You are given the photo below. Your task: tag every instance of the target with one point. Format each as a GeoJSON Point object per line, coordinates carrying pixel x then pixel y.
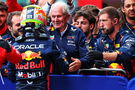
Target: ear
{"type": "Point", "coordinates": [115, 21]}
{"type": "Point", "coordinates": [91, 26]}
{"type": "Point", "coordinates": [9, 27]}
{"type": "Point", "coordinates": [122, 9]}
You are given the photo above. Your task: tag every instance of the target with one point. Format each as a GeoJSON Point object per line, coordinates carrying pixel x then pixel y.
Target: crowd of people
{"type": "Point", "coordinates": [58, 37]}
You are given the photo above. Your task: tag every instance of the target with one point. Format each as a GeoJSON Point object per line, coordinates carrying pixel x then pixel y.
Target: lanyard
{"type": "Point", "coordinates": [130, 29]}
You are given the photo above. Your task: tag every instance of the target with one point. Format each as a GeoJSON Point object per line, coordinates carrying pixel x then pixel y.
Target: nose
{"type": "Point", "coordinates": [56, 18]}
{"type": "Point", "coordinates": [79, 25]}
{"type": "Point", "coordinates": [100, 24]}
{"type": "Point", "coordinates": [132, 6]}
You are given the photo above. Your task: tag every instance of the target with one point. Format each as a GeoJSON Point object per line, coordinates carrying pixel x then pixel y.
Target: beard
{"type": "Point", "coordinates": [131, 18]}
{"type": "Point", "coordinates": [108, 31]}
{"type": "Point", "coordinates": [86, 33]}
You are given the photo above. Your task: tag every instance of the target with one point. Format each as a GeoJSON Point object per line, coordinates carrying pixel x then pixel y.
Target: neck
{"type": "Point", "coordinates": [63, 28]}
{"type": "Point", "coordinates": [3, 29]}
{"type": "Point", "coordinates": [88, 36]}
{"type": "Point", "coordinates": [13, 35]}
{"type": "Point", "coordinates": [2, 26]}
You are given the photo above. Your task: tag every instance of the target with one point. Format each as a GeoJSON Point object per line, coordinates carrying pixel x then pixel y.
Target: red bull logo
{"type": "Point", "coordinates": [31, 65]}
{"type": "Point", "coordinates": [116, 65]}
{"type": "Point", "coordinates": [29, 55]}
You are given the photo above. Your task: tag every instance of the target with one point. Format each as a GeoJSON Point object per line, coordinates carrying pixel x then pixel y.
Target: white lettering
{"type": "Point", "coordinates": [32, 46]}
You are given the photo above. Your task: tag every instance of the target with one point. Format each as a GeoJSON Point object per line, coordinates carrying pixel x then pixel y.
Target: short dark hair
{"type": "Point", "coordinates": [91, 8]}
{"type": "Point", "coordinates": [111, 11]}
{"type": "Point", "coordinates": [3, 6]}
{"type": "Point", "coordinates": [122, 3]}
{"type": "Point", "coordinates": [10, 16]}
{"type": "Point", "coordinates": [86, 15]}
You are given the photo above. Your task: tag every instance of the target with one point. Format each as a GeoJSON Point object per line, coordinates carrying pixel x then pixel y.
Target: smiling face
{"type": "Point", "coordinates": [15, 26]}
{"type": "Point", "coordinates": [58, 18]}
{"type": "Point", "coordinates": [129, 9]}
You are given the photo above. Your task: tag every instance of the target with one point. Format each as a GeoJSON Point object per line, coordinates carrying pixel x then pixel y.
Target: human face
{"type": "Point", "coordinates": [83, 24]}
{"type": "Point", "coordinates": [58, 18]}
{"type": "Point", "coordinates": [3, 17]}
{"type": "Point", "coordinates": [129, 9]}
{"type": "Point", "coordinates": [106, 24]}
{"type": "Point", "coordinates": [15, 25]}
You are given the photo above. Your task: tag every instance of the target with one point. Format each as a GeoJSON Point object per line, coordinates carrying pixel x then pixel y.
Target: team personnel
{"type": "Point", "coordinates": [113, 46]}
{"type": "Point", "coordinates": [13, 24]}
{"type": "Point", "coordinates": [37, 50]}
{"type": "Point", "coordinates": [3, 17]}
{"type": "Point", "coordinates": [128, 8]}
{"type": "Point", "coordinates": [86, 22]}
{"type": "Point", "coordinates": [70, 40]}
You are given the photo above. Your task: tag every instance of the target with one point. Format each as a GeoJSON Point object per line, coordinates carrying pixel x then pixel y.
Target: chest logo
{"type": "Point", "coordinates": [29, 55]}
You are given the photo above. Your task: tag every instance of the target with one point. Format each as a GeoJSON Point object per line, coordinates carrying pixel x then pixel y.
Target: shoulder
{"type": "Point", "coordinates": [73, 28]}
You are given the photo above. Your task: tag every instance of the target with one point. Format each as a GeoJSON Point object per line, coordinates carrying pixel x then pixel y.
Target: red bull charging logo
{"type": "Point", "coordinates": [29, 55]}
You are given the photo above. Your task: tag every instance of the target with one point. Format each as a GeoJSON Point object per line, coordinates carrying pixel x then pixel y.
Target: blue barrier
{"type": "Point", "coordinates": [6, 84]}
{"type": "Point", "coordinates": [79, 82]}
{"type": "Point", "coordinates": [131, 84]}
{"type": "Point", "coordinates": [87, 82]}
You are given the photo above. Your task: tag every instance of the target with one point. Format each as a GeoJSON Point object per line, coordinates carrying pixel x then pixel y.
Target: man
{"type": "Point", "coordinates": [86, 22]}
{"type": "Point", "coordinates": [3, 18]}
{"type": "Point", "coordinates": [94, 11]}
{"type": "Point", "coordinates": [37, 50]}
{"type": "Point", "coordinates": [69, 39]}
{"type": "Point", "coordinates": [13, 24]}
{"type": "Point", "coordinates": [128, 8]}
{"type": "Point", "coordinates": [113, 46]}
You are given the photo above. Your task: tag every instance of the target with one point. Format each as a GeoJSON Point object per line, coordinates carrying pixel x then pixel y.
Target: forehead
{"type": "Point", "coordinates": [16, 18]}
{"type": "Point", "coordinates": [129, 2]}
{"type": "Point", "coordinates": [104, 16]}
{"type": "Point", "coordinates": [56, 10]}
{"type": "Point", "coordinates": [81, 18]}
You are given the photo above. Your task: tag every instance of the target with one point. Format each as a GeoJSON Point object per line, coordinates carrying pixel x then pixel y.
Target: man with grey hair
{"type": "Point", "coordinates": [69, 39]}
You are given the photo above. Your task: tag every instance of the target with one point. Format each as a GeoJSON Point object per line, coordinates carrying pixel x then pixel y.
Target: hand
{"type": "Point", "coordinates": [94, 55]}
{"type": "Point", "coordinates": [75, 65]}
{"type": "Point", "coordinates": [5, 45]}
